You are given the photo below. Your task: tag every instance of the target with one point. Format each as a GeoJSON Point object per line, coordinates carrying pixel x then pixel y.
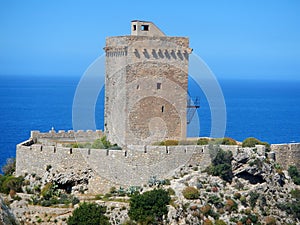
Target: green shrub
{"type": "Point", "coordinates": [228, 141]}
{"type": "Point", "coordinates": [48, 191]}
{"type": "Point", "coordinates": [220, 222]}
{"type": "Point", "coordinates": [294, 174]}
{"type": "Point", "coordinates": [149, 207]}
{"type": "Point", "coordinates": [187, 142]}
{"type": "Point", "coordinates": [88, 214]}
{"type": "Point", "coordinates": [215, 200]}
{"type": "Point", "coordinates": [202, 141]}
{"type": "Point", "coordinates": [169, 143]}
{"type": "Point", "coordinates": [251, 142]}
{"type": "Point", "coordinates": [190, 193]}
{"type": "Point", "coordinates": [253, 198]}
{"type": "Point", "coordinates": [171, 191]}
{"type": "Point", "coordinates": [9, 182]}
{"type": "Point", "coordinates": [97, 144]}
{"type": "Point", "coordinates": [106, 143]}
{"type": "Point", "coordinates": [295, 193]}
{"type": "Point", "coordinates": [221, 165]}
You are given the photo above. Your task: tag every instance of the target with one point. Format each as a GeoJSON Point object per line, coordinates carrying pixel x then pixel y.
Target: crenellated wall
{"type": "Point", "coordinates": [131, 166]}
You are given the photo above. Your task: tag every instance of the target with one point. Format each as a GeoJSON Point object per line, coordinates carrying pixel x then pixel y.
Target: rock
{"type": "Point", "coordinates": [6, 215]}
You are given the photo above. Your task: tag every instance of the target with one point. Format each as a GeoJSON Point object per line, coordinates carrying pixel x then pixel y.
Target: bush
{"type": "Point", "coordinates": [97, 144]}
{"type": "Point", "coordinates": [215, 200]}
{"type": "Point", "coordinates": [9, 182]}
{"type": "Point", "coordinates": [88, 214]}
{"type": "Point", "coordinates": [149, 207]}
{"type": "Point", "coordinates": [202, 141]}
{"type": "Point", "coordinates": [231, 205]}
{"type": "Point", "coordinates": [270, 220]}
{"type": "Point", "coordinates": [295, 193]}
{"type": "Point", "coordinates": [190, 193]}
{"type": "Point", "coordinates": [169, 143]}
{"type": "Point", "coordinates": [251, 142]}
{"type": "Point", "coordinates": [10, 167]}
{"type": "Point", "coordinates": [294, 174]}
{"type": "Point", "coordinates": [48, 191]}
{"type": "Point", "coordinates": [106, 143]}
{"type": "Point", "coordinates": [206, 209]}
{"type": "Point", "coordinates": [220, 222]}
{"type": "Point", "coordinates": [228, 141]}
{"type": "Point", "coordinates": [253, 198]}
{"type": "Point", "coordinates": [221, 165]}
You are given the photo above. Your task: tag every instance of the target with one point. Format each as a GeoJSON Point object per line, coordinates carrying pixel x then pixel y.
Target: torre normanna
{"type": "Point", "coordinates": [146, 86]}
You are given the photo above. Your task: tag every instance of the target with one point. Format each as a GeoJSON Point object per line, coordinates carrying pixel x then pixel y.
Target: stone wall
{"type": "Point", "coordinates": [53, 137]}
{"type": "Point", "coordinates": [146, 88]}
{"type": "Point", "coordinates": [287, 154]}
{"type": "Point", "coordinates": [133, 165]}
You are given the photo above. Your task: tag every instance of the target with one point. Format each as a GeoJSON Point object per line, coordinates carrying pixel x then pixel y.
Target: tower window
{"type": "Point", "coordinates": [138, 87]}
{"type": "Point", "coordinates": [158, 86]}
{"type": "Point", "coordinates": [145, 27]}
{"type": "Point", "coordinates": [162, 109]}
{"type": "Point", "coordinates": [134, 27]}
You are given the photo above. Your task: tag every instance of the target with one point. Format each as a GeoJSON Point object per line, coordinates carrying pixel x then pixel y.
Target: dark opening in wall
{"type": "Point", "coordinates": [71, 151]}
{"type": "Point", "coordinates": [162, 109]}
{"type": "Point", "coordinates": [138, 87]}
{"type": "Point", "coordinates": [134, 27]}
{"type": "Point", "coordinates": [145, 27]}
{"type": "Point", "coordinates": [158, 86]}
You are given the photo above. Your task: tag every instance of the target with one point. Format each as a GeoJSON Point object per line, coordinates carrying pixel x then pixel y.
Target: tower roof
{"type": "Point", "coordinates": [145, 28]}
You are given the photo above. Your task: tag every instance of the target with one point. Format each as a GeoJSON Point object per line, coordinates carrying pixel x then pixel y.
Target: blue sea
{"type": "Point", "coordinates": [267, 110]}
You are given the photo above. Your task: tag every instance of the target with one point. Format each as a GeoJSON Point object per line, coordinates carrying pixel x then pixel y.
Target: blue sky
{"type": "Point", "coordinates": [237, 39]}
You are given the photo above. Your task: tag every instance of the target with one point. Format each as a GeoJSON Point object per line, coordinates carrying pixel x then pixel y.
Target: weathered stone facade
{"type": "Point", "coordinates": [287, 154]}
{"type": "Point", "coordinates": [146, 86]}
{"type": "Point", "coordinates": [133, 165]}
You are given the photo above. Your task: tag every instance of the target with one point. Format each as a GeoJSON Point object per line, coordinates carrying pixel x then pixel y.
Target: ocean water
{"type": "Point", "coordinates": [268, 110]}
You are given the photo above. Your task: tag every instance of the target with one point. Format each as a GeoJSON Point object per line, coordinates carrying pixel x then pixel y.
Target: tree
{"type": "Point", "coordinates": [10, 167]}
{"type": "Point", "coordinates": [88, 214]}
{"type": "Point", "coordinates": [221, 165]}
{"type": "Point", "coordinates": [149, 207]}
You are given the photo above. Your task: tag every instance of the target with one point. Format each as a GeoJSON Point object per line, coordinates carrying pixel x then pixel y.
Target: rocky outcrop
{"type": "Point", "coordinates": [6, 215]}
{"type": "Point", "coordinates": [258, 192]}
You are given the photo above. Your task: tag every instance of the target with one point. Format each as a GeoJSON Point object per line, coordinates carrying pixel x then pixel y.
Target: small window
{"type": "Point", "coordinates": [138, 87]}
{"type": "Point", "coordinates": [162, 109]}
{"type": "Point", "coordinates": [145, 27]}
{"type": "Point", "coordinates": [158, 86]}
{"type": "Point", "coordinates": [134, 27]}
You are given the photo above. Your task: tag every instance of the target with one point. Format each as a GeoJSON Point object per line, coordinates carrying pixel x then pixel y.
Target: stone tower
{"type": "Point", "coordinates": [146, 86]}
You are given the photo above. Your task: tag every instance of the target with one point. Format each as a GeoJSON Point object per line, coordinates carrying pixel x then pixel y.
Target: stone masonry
{"type": "Point", "coordinates": [131, 166]}
{"type": "Point", "coordinates": [146, 86]}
